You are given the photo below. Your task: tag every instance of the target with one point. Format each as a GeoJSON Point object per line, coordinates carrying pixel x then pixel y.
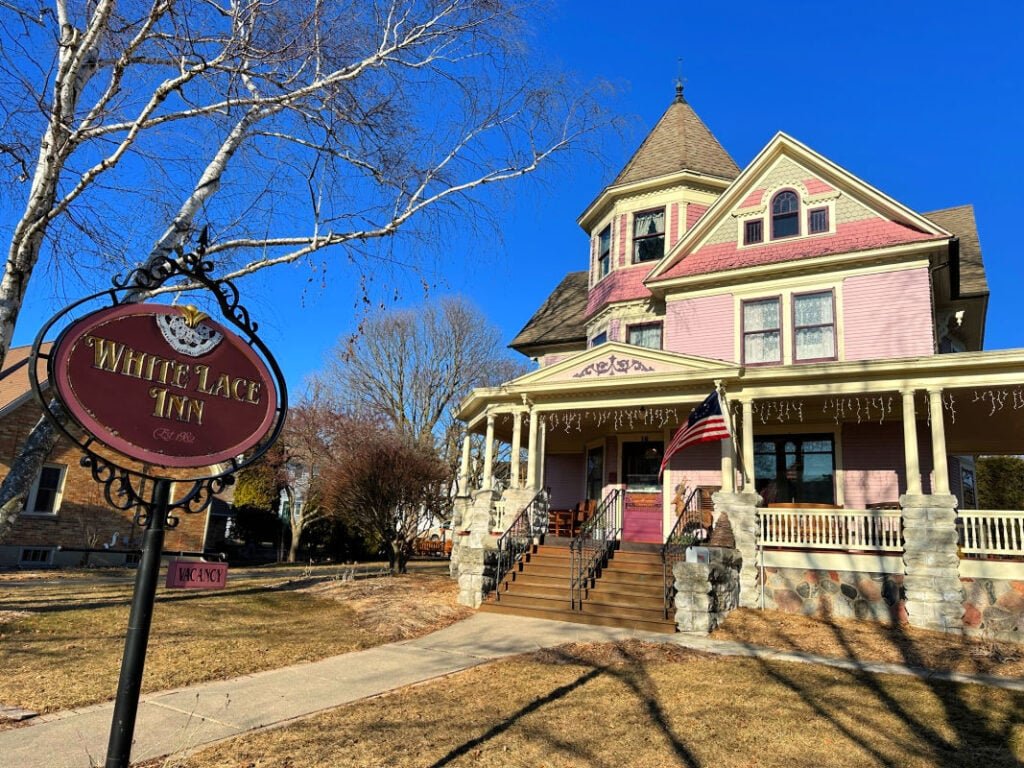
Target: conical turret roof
{"type": "Point", "coordinates": [680, 141]}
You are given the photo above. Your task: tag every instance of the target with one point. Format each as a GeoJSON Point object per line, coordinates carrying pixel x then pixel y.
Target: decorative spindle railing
{"type": "Point", "coordinates": [519, 536]}
{"type": "Point", "coordinates": [869, 530]}
{"type": "Point", "coordinates": [592, 546]}
{"type": "Point", "coordinates": [992, 533]}
{"type": "Point", "coordinates": [688, 529]}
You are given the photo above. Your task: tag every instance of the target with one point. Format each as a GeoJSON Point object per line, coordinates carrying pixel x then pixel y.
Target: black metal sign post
{"type": "Point", "coordinates": [178, 402]}
{"type": "Point", "coordinates": [126, 705]}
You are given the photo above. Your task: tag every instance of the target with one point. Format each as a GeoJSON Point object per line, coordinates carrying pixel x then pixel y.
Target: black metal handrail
{"type": "Point", "coordinates": [519, 536]}
{"type": "Point", "coordinates": [689, 529]}
{"type": "Point", "coordinates": [593, 545]}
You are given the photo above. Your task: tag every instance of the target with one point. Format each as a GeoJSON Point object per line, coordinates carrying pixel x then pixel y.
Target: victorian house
{"type": "Point", "coordinates": [846, 331]}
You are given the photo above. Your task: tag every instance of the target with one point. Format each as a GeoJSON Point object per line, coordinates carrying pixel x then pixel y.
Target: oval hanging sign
{"type": "Point", "coordinates": [164, 385]}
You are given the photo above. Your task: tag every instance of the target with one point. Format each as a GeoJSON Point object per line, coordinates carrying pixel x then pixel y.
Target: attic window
{"type": "Point", "coordinates": [648, 235]}
{"type": "Point", "coordinates": [817, 221]}
{"type": "Point", "coordinates": [604, 251]}
{"type": "Point", "coordinates": [753, 232]}
{"type": "Point", "coordinates": [785, 215]}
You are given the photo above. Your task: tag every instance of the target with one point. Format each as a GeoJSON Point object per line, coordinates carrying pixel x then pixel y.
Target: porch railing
{"type": "Point", "coordinates": [873, 530]}
{"type": "Point", "coordinates": [518, 537]}
{"type": "Point", "coordinates": [689, 528]}
{"type": "Point", "coordinates": [591, 547]}
{"type": "Point", "coordinates": [992, 533]}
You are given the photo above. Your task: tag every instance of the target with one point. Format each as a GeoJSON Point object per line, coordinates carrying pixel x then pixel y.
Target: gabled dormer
{"type": "Point", "coordinates": [668, 183]}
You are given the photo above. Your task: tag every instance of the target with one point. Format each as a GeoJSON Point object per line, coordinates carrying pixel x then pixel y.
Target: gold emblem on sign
{"type": "Point", "coordinates": [193, 315]}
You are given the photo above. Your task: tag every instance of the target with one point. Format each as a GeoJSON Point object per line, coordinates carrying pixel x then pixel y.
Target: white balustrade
{"type": "Point", "coordinates": [992, 532]}
{"type": "Point", "coordinates": [842, 529]}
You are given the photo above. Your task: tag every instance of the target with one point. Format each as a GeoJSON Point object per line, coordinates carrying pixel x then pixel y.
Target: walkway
{"type": "Point", "coordinates": [170, 721]}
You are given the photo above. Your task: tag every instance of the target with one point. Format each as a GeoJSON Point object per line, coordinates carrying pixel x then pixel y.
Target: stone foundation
{"type": "Point", "coordinates": [994, 608]}
{"type": "Point", "coordinates": [707, 592]}
{"type": "Point", "coordinates": [840, 594]}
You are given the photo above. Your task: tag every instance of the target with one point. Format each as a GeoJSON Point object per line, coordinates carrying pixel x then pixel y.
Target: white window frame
{"type": "Point", "coordinates": [30, 502]}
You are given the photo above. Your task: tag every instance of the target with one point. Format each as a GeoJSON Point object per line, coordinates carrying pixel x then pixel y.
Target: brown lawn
{"type": "Point", "coordinates": [635, 704]}
{"type": "Point", "coordinates": [60, 647]}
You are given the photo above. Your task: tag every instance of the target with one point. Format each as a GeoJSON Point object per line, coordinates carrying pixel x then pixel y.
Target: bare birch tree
{"type": "Point", "coordinates": [294, 128]}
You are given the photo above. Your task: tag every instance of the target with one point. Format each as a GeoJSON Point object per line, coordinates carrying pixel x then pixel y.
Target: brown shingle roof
{"type": "Point", "coordinates": [680, 141]}
{"type": "Point", "coordinates": [14, 381]}
{"type": "Point", "coordinates": [960, 221]}
{"type": "Point", "coordinates": [560, 318]}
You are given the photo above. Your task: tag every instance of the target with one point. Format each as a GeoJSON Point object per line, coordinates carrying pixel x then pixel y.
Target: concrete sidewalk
{"type": "Point", "coordinates": [170, 721]}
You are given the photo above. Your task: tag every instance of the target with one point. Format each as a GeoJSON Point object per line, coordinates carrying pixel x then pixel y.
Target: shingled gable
{"type": "Point", "coordinates": [691, 256]}
{"type": "Point", "coordinates": [560, 319]}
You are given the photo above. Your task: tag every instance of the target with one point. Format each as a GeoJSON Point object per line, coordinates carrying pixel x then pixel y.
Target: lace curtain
{"type": "Point", "coordinates": [815, 326]}
{"type": "Point", "coordinates": [761, 331]}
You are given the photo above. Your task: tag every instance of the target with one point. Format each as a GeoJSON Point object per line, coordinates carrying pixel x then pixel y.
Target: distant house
{"type": "Point", "coordinates": [847, 332]}
{"type": "Point", "coordinates": [65, 511]}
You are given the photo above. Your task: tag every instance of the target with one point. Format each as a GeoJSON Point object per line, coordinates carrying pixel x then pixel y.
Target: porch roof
{"type": "Point", "coordinates": [664, 378]}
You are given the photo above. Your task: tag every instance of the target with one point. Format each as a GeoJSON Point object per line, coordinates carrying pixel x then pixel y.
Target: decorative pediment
{"type": "Point", "coordinates": [615, 361]}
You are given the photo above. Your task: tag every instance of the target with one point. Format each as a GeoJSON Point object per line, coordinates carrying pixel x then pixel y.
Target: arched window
{"type": "Point", "coordinates": [785, 215]}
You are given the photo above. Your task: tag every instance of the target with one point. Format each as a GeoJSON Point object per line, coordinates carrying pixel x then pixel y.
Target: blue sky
{"type": "Point", "coordinates": [922, 100]}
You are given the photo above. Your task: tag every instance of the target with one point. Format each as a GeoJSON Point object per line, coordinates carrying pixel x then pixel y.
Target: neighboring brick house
{"type": "Point", "coordinates": [848, 332]}
{"type": "Point", "coordinates": [65, 507]}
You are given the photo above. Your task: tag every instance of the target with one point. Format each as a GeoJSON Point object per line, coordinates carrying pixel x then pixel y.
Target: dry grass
{"type": "Point", "coordinates": [642, 705]}
{"type": "Point", "coordinates": [61, 648]}
{"type": "Point", "coordinates": [871, 641]}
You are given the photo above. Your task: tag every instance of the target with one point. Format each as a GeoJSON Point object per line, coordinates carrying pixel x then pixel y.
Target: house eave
{"type": "Point", "coordinates": [596, 209]}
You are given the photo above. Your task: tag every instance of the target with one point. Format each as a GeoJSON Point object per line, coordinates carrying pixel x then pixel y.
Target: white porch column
{"type": "Point", "coordinates": [531, 451]}
{"type": "Point", "coordinates": [517, 438]}
{"type": "Point", "coordinates": [748, 445]}
{"type": "Point", "coordinates": [540, 454]}
{"type": "Point", "coordinates": [728, 474]}
{"type": "Point", "coordinates": [940, 476]}
{"type": "Point", "coordinates": [910, 445]}
{"type": "Point", "coordinates": [488, 481]}
{"type": "Point", "coordinates": [464, 468]}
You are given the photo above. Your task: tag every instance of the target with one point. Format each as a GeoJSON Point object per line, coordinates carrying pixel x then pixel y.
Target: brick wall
{"type": "Point", "coordinates": [84, 518]}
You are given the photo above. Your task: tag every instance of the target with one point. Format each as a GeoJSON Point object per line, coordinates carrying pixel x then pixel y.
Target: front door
{"type": "Point", "coordinates": [642, 515]}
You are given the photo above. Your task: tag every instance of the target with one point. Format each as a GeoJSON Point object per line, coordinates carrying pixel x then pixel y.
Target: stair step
{"type": "Point", "coordinates": [600, 596]}
{"type": "Point", "coordinates": [559, 602]}
{"type": "Point", "coordinates": [611, 575]}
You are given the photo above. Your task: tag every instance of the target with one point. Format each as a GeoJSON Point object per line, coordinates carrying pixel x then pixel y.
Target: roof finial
{"type": "Point", "coordinates": [679, 81]}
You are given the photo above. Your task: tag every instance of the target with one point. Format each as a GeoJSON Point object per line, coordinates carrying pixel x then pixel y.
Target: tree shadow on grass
{"type": "Point", "coordinates": [973, 731]}
{"type": "Point", "coordinates": [631, 672]}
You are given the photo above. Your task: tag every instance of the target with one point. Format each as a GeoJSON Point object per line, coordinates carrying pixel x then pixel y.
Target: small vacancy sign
{"type": "Point", "coordinates": [193, 574]}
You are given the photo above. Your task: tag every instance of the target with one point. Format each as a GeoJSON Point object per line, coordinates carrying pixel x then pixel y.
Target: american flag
{"type": "Point", "coordinates": [706, 423]}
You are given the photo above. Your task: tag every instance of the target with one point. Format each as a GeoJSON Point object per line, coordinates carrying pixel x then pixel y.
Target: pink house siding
{"type": "Point", "coordinates": [673, 237]}
{"type": "Point", "coordinates": [620, 285]}
{"type": "Point", "coordinates": [563, 474]}
{"type": "Point", "coordinates": [888, 315]}
{"type": "Point", "coordinates": [703, 326]}
{"type": "Point", "coordinates": [873, 462]}
{"type": "Point", "coordinates": [693, 212]}
{"type": "Point", "coordinates": [622, 240]}
{"type": "Point", "coordinates": [699, 464]}
{"type": "Point", "coordinates": [615, 330]}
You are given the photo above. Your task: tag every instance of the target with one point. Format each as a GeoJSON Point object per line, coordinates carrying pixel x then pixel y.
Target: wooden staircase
{"type": "Point", "coordinates": [628, 593]}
